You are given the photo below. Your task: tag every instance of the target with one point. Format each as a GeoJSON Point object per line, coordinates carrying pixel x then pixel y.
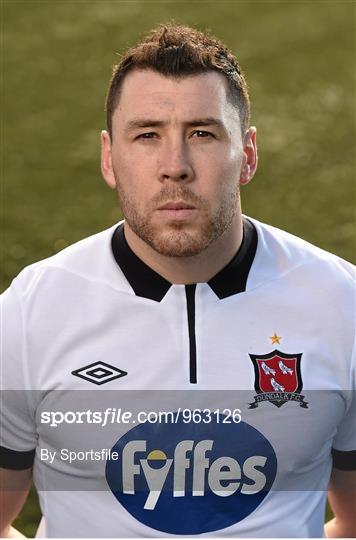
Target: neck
{"type": "Point", "coordinates": [197, 269]}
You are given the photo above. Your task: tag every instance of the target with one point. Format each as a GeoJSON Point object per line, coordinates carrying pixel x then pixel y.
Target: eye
{"type": "Point", "coordinates": [201, 134]}
{"type": "Point", "coordinates": [148, 135]}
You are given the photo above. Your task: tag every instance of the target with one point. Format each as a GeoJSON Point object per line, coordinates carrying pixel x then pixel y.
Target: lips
{"type": "Point", "coordinates": [177, 211]}
{"type": "Point", "coordinates": [180, 205]}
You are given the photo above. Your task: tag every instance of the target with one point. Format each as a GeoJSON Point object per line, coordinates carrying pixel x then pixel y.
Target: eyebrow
{"type": "Point", "coordinates": [148, 123]}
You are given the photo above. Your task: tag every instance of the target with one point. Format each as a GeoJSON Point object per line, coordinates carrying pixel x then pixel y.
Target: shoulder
{"type": "Point", "coordinates": [88, 260]}
{"type": "Point", "coordinates": [288, 266]}
{"type": "Point", "coordinates": [315, 286]}
{"type": "Point", "coordinates": [280, 253]}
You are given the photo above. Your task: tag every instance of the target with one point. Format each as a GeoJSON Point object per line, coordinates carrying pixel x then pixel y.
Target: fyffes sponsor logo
{"type": "Point", "coordinates": [225, 474]}
{"type": "Point", "coordinates": [191, 478]}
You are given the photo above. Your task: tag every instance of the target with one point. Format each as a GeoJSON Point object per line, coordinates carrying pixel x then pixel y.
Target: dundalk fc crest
{"type": "Point", "coordinates": [277, 378]}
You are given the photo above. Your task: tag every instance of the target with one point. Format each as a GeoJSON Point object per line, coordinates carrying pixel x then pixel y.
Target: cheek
{"type": "Point", "coordinates": [232, 174]}
{"type": "Point", "coordinates": [223, 177]}
{"type": "Point", "coordinates": [127, 169]}
{"type": "Point", "coordinates": [133, 181]}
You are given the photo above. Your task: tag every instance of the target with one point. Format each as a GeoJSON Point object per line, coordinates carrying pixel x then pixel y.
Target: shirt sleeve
{"type": "Point", "coordinates": [18, 437]}
{"type": "Point", "coordinates": [344, 444]}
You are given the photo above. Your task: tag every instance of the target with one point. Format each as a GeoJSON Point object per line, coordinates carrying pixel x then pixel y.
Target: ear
{"type": "Point", "coordinates": [106, 160]}
{"type": "Point", "coordinates": [249, 164]}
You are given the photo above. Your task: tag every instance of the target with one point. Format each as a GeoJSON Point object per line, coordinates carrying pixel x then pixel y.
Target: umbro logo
{"type": "Point", "coordinates": [99, 373]}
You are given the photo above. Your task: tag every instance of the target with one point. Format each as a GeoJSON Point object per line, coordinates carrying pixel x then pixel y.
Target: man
{"type": "Point", "coordinates": [186, 294]}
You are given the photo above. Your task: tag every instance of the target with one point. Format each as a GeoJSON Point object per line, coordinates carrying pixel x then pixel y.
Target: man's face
{"type": "Point", "coordinates": [175, 159]}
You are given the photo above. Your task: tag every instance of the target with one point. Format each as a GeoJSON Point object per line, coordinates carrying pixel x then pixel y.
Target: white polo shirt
{"type": "Point", "coordinates": [256, 369]}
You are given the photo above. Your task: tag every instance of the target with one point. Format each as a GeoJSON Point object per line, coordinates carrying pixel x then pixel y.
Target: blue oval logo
{"type": "Point", "coordinates": [183, 478]}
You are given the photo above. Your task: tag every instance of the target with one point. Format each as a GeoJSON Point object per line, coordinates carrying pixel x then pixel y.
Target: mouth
{"type": "Point", "coordinates": [177, 210]}
{"type": "Point", "coordinates": [180, 205]}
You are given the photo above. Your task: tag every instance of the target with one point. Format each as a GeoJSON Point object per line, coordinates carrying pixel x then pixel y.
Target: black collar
{"type": "Point", "coordinates": [147, 283]}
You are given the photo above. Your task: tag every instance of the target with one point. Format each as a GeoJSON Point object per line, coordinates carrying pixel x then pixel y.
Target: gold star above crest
{"type": "Point", "coordinates": [275, 339]}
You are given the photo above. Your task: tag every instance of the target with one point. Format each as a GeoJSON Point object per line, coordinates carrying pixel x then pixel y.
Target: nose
{"type": "Point", "coordinates": [174, 162]}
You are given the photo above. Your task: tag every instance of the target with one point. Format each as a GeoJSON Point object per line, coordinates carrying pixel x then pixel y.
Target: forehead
{"type": "Point", "coordinates": [146, 92]}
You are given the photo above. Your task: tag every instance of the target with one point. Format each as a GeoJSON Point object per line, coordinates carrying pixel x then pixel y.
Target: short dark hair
{"type": "Point", "coordinates": [178, 51]}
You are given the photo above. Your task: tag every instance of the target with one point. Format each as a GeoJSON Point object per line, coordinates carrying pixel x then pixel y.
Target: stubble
{"type": "Point", "coordinates": [178, 238]}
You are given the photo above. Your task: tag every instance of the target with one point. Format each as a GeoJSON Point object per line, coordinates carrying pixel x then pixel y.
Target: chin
{"type": "Point", "coordinates": [179, 244]}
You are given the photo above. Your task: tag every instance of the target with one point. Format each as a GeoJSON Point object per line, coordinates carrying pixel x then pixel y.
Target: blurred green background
{"type": "Point", "coordinates": [57, 57]}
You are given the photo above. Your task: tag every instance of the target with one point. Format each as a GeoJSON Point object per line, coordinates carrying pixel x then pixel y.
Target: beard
{"type": "Point", "coordinates": [177, 238]}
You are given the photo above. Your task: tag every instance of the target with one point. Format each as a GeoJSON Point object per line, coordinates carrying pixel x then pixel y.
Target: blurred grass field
{"type": "Point", "coordinates": [57, 56]}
